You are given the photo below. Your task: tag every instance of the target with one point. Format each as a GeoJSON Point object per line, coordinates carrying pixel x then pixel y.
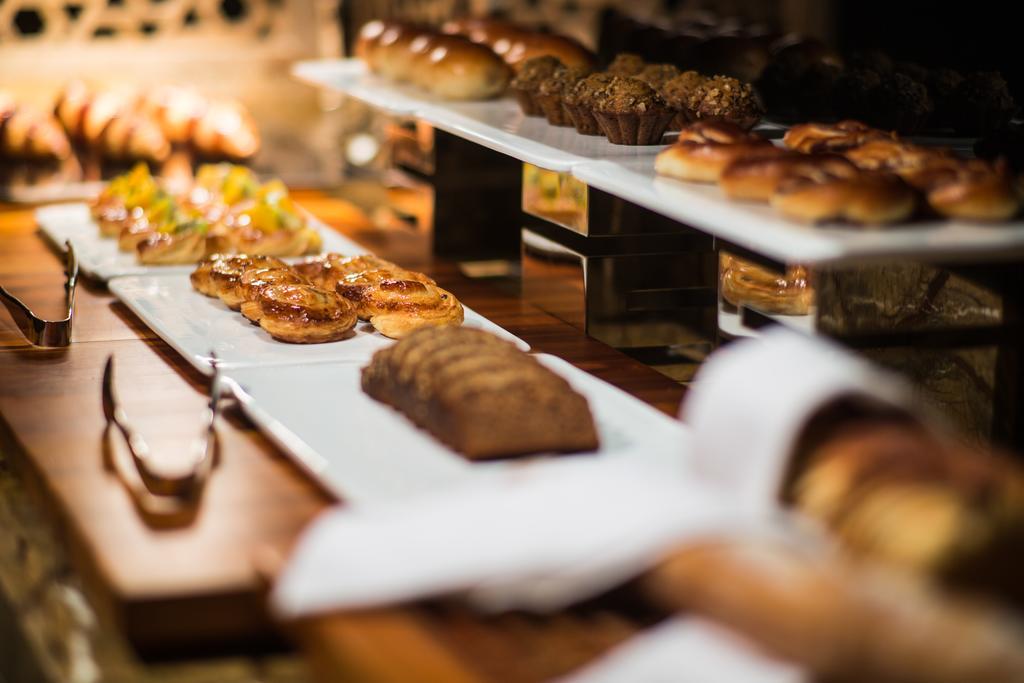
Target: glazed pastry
{"type": "Point", "coordinates": [517, 44]}
{"type": "Point", "coordinates": [821, 137]}
{"type": "Point", "coordinates": [186, 245]}
{"type": "Point", "coordinates": [832, 192]}
{"type": "Point", "coordinates": [531, 74]}
{"type": "Point", "coordinates": [122, 197]}
{"type": "Point", "coordinates": [397, 304]}
{"type": "Point", "coordinates": [27, 134]}
{"type": "Point", "coordinates": [630, 112]}
{"type": "Point", "coordinates": [580, 99]}
{"type": "Point", "coordinates": [328, 270]}
{"type": "Point", "coordinates": [745, 284]}
{"type": "Point", "coordinates": [757, 177]}
{"type": "Point", "coordinates": [271, 225]}
{"type": "Point", "coordinates": [226, 273]}
{"type": "Point", "coordinates": [302, 314]}
{"type": "Point", "coordinates": [973, 190]}
{"type": "Point", "coordinates": [705, 149]}
{"type": "Point", "coordinates": [159, 212]}
{"type": "Point", "coordinates": [254, 281]}
{"type": "Point", "coordinates": [475, 392]}
{"type": "Point", "coordinates": [726, 99]}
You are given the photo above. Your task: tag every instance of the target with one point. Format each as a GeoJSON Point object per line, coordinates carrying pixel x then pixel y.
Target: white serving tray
{"type": "Point", "coordinates": [100, 259]}
{"type": "Point", "coordinates": [366, 452]}
{"type": "Point", "coordinates": [763, 230]}
{"type": "Point", "coordinates": [194, 325]}
{"type": "Point", "coordinates": [731, 323]}
{"type": "Point", "coordinates": [496, 124]}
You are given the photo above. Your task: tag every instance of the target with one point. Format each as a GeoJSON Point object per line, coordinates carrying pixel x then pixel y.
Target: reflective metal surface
{"type": "Point", "coordinates": [51, 333]}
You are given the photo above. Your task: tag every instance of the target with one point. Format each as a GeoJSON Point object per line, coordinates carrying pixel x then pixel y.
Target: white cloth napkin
{"type": "Point", "coordinates": [539, 538]}
{"type": "Point", "coordinates": [687, 650]}
{"type": "Point", "coordinates": [751, 400]}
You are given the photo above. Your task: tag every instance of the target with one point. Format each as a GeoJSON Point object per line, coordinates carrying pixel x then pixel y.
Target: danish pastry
{"type": "Point", "coordinates": [704, 149]}
{"type": "Point", "coordinates": [837, 193]}
{"type": "Point", "coordinates": [254, 280]}
{"type": "Point", "coordinates": [226, 272]}
{"type": "Point", "coordinates": [327, 270]}
{"type": "Point", "coordinates": [746, 284]}
{"type": "Point", "coordinates": [302, 314]}
{"type": "Point", "coordinates": [756, 178]}
{"type": "Point", "coordinates": [397, 307]}
{"type": "Point", "coordinates": [821, 137]}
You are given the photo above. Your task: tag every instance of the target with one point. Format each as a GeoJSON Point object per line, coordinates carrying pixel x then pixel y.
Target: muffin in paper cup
{"type": "Point", "coordinates": [578, 102]}
{"type": "Point", "coordinates": [630, 112]}
{"type": "Point", "coordinates": [527, 102]}
{"type": "Point", "coordinates": [582, 118]}
{"type": "Point", "coordinates": [528, 79]}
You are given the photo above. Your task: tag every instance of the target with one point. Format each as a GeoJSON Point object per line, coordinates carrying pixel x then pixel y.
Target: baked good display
{"type": "Point", "coordinates": [679, 92]}
{"type": "Point", "coordinates": [824, 137]}
{"type": "Point", "coordinates": [836, 192]}
{"type": "Point", "coordinates": [703, 150]}
{"type": "Point", "coordinates": [551, 91]}
{"type": "Point", "coordinates": [474, 392]}
{"type": "Point", "coordinates": [580, 99]}
{"type": "Point", "coordinates": [630, 112]}
{"type": "Point", "coordinates": [721, 98]}
{"type": "Point", "coordinates": [226, 210]}
{"type": "Point", "coordinates": [526, 82]}
{"type": "Point", "coordinates": [743, 283]}
{"type": "Point", "coordinates": [27, 134]}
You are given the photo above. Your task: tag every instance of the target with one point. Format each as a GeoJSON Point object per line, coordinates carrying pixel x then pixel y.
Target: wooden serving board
{"type": "Point", "coordinates": [195, 588]}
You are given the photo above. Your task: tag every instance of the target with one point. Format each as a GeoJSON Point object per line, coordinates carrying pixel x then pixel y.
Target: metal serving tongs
{"type": "Point", "coordinates": [47, 332]}
{"type": "Point", "coordinates": [161, 499]}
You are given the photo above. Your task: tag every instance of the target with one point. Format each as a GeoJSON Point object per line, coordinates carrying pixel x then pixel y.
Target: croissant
{"type": "Point", "coordinates": [28, 134]}
{"type": "Point", "coordinates": [301, 314]}
{"type": "Point", "coordinates": [396, 308]}
{"type": "Point", "coordinates": [107, 123]}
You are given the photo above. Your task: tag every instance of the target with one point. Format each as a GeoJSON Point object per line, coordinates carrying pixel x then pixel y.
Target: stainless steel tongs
{"type": "Point", "coordinates": [47, 332]}
{"type": "Point", "coordinates": [161, 498]}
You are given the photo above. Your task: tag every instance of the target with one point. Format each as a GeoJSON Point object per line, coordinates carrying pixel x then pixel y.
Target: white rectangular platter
{"type": "Point", "coordinates": [496, 124]}
{"type": "Point", "coordinates": [366, 452]}
{"type": "Point", "coordinates": [761, 229]}
{"type": "Point", "coordinates": [194, 325]}
{"type": "Point", "coordinates": [100, 259]}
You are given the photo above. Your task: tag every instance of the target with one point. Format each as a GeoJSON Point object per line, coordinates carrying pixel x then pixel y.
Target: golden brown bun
{"type": "Point", "coordinates": [226, 272]}
{"type": "Point", "coordinates": [835, 193]}
{"type": "Point", "coordinates": [745, 284]}
{"type": "Point", "coordinates": [28, 134]}
{"type": "Point", "coordinates": [565, 49]}
{"type": "Point", "coordinates": [704, 149]}
{"type": "Point", "coordinates": [757, 177]}
{"type": "Point", "coordinates": [456, 68]}
{"type": "Point", "coordinates": [975, 191]}
{"type": "Point", "coordinates": [302, 314]}
{"type": "Point", "coordinates": [822, 137]}
{"type": "Point", "coordinates": [397, 50]}
{"type": "Point", "coordinates": [398, 304]}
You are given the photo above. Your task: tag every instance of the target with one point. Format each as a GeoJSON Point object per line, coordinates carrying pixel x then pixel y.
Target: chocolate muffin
{"type": "Point", "coordinates": [579, 101]}
{"type": "Point", "coordinates": [899, 103]}
{"type": "Point", "coordinates": [656, 75]}
{"type": "Point", "coordinates": [817, 89]}
{"type": "Point", "coordinates": [529, 78]}
{"type": "Point", "coordinates": [626, 64]}
{"type": "Point", "coordinates": [853, 92]}
{"type": "Point", "coordinates": [630, 112]}
{"type": "Point", "coordinates": [726, 99]}
{"type": "Point", "coordinates": [779, 82]}
{"type": "Point", "coordinates": [551, 90]}
{"type": "Point", "coordinates": [677, 93]}
{"type": "Point", "coordinates": [942, 85]}
{"type": "Point", "coordinates": [982, 104]}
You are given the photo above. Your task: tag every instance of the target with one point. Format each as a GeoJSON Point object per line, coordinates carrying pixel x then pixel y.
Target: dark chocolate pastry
{"type": "Point", "coordinates": [853, 93]}
{"type": "Point", "coordinates": [899, 103]}
{"type": "Point", "coordinates": [982, 104]}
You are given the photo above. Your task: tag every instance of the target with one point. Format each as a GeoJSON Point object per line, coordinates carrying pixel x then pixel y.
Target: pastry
{"type": "Point", "coordinates": [517, 44]}
{"type": "Point", "coordinates": [757, 177]}
{"type": "Point", "coordinates": [981, 104]}
{"type": "Point", "coordinates": [630, 112]}
{"type": "Point", "coordinates": [626, 64]}
{"type": "Point", "coordinates": [823, 137]}
{"type": "Point", "coordinates": [397, 304]}
{"type": "Point", "coordinates": [188, 243]}
{"type": "Point", "coordinates": [226, 273]}
{"type": "Point", "coordinates": [254, 281]}
{"type": "Point", "coordinates": [834, 192]}
{"type": "Point", "coordinates": [704, 149]}
{"type": "Point", "coordinates": [474, 393]}
{"type": "Point", "coordinates": [302, 314]}
{"type": "Point", "coordinates": [531, 74]}
{"type": "Point", "coordinates": [580, 99]}
{"type": "Point", "coordinates": [327, 270]}
{"type": "Point", "coordinates": [657, 75]}
{"type": "Point", "coordinates": [899, 103]}
{"type": "Point", "coordinates": [678, 93]}
{"type": "Point", "coordinates": [30, 135]}
{"type": "Point", "coordinates": [746, 284]}
{"type": "Point", "coordinates": [548, 95]}
{"type": "Point", "coordinates": [726, 99]}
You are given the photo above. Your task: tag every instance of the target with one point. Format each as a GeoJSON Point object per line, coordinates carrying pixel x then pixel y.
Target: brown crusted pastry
{"type": "Point", "coordinates": [225, 273]}
{"type": "Point", "coordinates": [823, 137]}
{"type": "Point", "coordinates": [746, 284]}
{"type": "Point", "coordinates": [159, 248]}
{"type": "Point", "coordinates": [282, 242]}
{"type": "Point", "coordinates": [757, 177]}
{"type": "Point", "coordinates": [833, 192]}
{"type": "Point", "coordinates": [626, 64]}
{"type": "Point", "coordinates": [327, 270]}
{"type": "Point", "coordinates": [531, 74]}
{"type": "Point", "coordinates": [630, 112]}
{"type": "Point", "coordinates": [974, 190]}
{"type": "Point", "coordinates": [726, 99]}
{"type": "Point", "coordinates": [254, 281]}
{"type": "Point", "coordinates": [302, 314]}
{"type": "Point", "coordinates": [398, 304]}
{"type": "Point", "coordinates": [657, 75]}
{"type": "Point", "coordinates": [678, 93]}
{"type": "Point", "coordinates": [551, 90]}
{"type": "Point", "coordinates": [981, 103]}
{"type": "Point", "coordinates": [704, 149]}
{"type": "Point", "coordinates": [531, 45]}
{"type": "Point", "coordinates": [132, 136]}
{"type": "Point", "coordinates": [28, 134]}
{"type": "Point", "coordinates": [580, 99]}
{"type": "Point", "coordinates": [475, 392]}
{"type": "Point", "coordinates": [135, 230]}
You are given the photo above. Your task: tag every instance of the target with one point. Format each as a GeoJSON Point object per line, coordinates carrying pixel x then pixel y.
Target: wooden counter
{"type": "Point", "coordinates": [195, 589]}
